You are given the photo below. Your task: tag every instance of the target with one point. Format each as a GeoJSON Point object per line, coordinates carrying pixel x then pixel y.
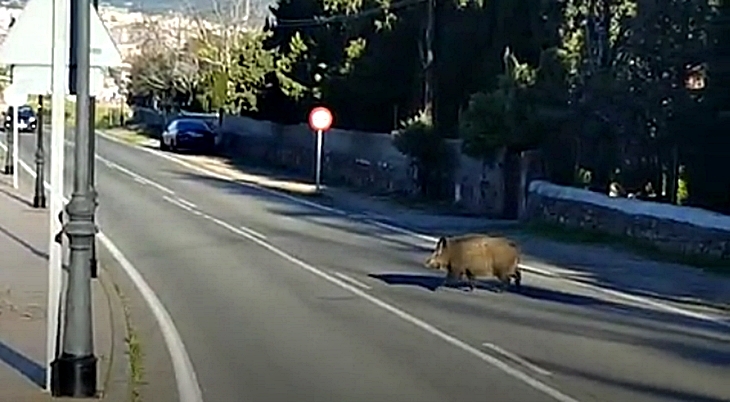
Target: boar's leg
{"type": "Point", "coordinates": [504, 281]}
{"type": "Point", "coordinates": [518, 278]}
{"type": "Point", "coordinates": [470, 280]}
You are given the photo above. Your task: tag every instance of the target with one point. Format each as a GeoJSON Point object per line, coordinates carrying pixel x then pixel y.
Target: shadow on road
{"type": "Point", "coordinates": [16, 198]}
{"type": "Point", "coordinates": [595, 265]}
{"type": "Point", "coordinates": [22, 364]}
{"type": "Point", "coordinates": [280, 206]}
{"type": "Point", "coordinates": [650, 390]}
{"type": "Point", "coordinates": [430, 282]}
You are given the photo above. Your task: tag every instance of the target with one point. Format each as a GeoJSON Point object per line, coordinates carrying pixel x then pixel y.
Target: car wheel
{"type": "Point", "coordinates": [163, 146]}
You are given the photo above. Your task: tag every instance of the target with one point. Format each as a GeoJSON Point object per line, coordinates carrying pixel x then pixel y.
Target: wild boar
{"type": "Point", "coordinates": [476, 255]}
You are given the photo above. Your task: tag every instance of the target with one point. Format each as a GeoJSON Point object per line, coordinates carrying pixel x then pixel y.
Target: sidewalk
{"type": "Point", "coordinates": [23, 299]}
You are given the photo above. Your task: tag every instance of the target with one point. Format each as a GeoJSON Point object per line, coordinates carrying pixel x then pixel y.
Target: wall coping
{"type": "Point", "coordinates": [691, 215]}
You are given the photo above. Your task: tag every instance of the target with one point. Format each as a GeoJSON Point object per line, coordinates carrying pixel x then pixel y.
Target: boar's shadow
{"type": "Point", "coordinates": [431, 282]}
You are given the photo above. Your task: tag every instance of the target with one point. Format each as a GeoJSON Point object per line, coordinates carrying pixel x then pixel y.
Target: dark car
{"type": "Point", "coordinates": [27, 119]}
{"type": "Point", "coordinates": [188, 134]}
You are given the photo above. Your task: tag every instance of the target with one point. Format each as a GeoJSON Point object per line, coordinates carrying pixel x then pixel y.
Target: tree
{"type": "Point", "coordinates": [503, 120]}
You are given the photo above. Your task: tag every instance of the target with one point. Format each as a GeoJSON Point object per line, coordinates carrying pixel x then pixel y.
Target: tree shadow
{"type": "Point", "coordinates": [24, 365]}
{"type": "Point", "coordinates": [628, 273]}
{"type": "Point", "coordinates": [651, 390]}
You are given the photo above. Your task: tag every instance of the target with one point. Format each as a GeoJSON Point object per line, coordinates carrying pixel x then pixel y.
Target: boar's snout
{"type": "Point", "coordinates": [437, 260]}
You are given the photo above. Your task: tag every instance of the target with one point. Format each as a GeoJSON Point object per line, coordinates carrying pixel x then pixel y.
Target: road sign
{"type": "Point", "coordinates": [26, 44]}
{"type": "Point", "coordinates": [320, 119]}
{"type": "Point", "coordinates": [32, 69]}
{"type": "Point", "coordinates": [15, 95]}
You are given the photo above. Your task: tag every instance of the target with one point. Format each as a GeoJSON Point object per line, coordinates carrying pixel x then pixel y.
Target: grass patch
{"type": "Point", "coordinates": [134, 351]}
{"type": "Point", "coordinates": [623, 243]}
{"type": "Point", "coordinates": [128, 135]}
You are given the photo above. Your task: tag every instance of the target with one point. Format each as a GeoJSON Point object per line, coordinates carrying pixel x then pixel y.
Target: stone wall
{"type": "Point", "coordinates": [362, 160]}
{"type": "Point", "coordinates": [686, 230]}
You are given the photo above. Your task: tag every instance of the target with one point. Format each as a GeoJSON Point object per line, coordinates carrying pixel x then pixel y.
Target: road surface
{"type": "Point", "coordinates": [276, 301]}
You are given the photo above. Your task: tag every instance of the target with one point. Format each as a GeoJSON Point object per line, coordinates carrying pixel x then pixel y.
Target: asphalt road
{"type": "Point", "coordinates": [256, 285]}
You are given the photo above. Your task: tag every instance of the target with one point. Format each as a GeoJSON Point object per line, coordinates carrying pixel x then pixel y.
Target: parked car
{"type": "Point", "coordinates": [188, 134]}
{"type": "Point", "coordinates": [27, 119]}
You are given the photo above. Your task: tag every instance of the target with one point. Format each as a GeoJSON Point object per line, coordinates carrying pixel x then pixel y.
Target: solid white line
{"type": "Point", "coordinates": [351, 280]}
{"type": "Point", "coordinates": [177, 202]}
{"type": "Point", "coordinates": [450, 339]}
{"type": "Point", "coordinates": [188, 387]}
{"type": "Point", "coordinates": [528, 268]}
{"type": "Point", "coordinates": [141, 181]}
{"type": "Point", "coordinates": [253, 232]}
{"type": "Point", "coordinates": [187, 381]}
{"type": "Point", "coordinates": [517, 359]}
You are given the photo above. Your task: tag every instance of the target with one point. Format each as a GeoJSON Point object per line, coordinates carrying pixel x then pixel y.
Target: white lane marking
{"type": "Point", "coordinates": [528, 268]}
{"type": "Point", "coordinates": [141, 181]}
{"type": "Point", "coordinates": [188, 387]}
{"type": "Point", "coordinates": [187, 381]}
{"type": "Point", "coordinates": [450, 339]}
{"type": "Point", "coordinates": [135, 175]}
{"type": "Point", "coordinates": [186, 202]}
{"type": "Point", "coordinates": [352, 280]}
{"type": "Point", "coordinates": [253, 232]}
{"type": "Point", "coordinates": [176, 201]}
{"type": "Point", "coordinates": [517, 359]}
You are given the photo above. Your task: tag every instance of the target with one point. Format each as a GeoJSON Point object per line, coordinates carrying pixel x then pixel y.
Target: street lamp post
{"type": "Point", "coordinates": [10, 140]}
{"type": "Point", "coordinates": [92, 178]}
{"type": "Point", "coordinates": [76, 367]}
{"type": "Point", "coordinates": [39, 198]}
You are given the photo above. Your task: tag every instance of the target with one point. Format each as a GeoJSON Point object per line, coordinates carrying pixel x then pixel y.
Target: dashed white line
{"type": "Point", "coordinates": [450, 339]}
{"type": "Point", "coordinates": [517, 359]}
{"type": "Point", "coordinates": [253, 232]}
{"type": "Point", "coordinates": [186, 380]}
{"type": "Point", "coordinates": [176, 201]}
{"type": "Point", "coordinates": [186, 202]}
{"type": "Point", "coordinates": [352, 280]}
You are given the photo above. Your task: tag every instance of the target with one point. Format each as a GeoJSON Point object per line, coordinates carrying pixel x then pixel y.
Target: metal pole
{"type": "Point", "coordinates": [14, 147]}
{"type": "Point", "coordinates": [9, 137]}
{"type": "Point", "coordinates": [39, 198]}
{"type": "Point", "coordinates": [76, 367]}
{"type": "Point", "coordinates": [92, 168]}
{"type": "Point", "coordinates": [318, 171]}
{"type": "Point", "coordinates": [92, 178]}
{"type": "Point", "coordinates": [58, 127]}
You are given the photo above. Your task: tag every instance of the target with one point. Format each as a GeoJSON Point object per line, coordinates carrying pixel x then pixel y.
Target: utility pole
{"type": "Point", "coordinates": [427, 60]}
{"type": "Point", "coordinates": [39, 198]}
{"type": "Point", "coordinates": [76, 367]}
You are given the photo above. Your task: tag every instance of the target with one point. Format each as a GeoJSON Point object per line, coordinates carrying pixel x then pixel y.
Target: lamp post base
{"type": "Point", "coordinates": [39, 201]}
{"type": "Point", "coordinates": [74, 376]}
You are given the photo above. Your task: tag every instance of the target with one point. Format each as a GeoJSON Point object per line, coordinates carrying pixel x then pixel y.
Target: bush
{"type": "Point", "coordinates": [420, 141]}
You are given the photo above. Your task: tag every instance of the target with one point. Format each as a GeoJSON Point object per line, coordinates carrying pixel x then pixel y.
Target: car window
{"type": "Point", "coordinates": [191, 125]}
{"type": "Point", "coordinates": [25, 109]}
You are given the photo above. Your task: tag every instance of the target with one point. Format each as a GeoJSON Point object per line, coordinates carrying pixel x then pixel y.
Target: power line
{"type": "Point", "coordinates": [300, 23]}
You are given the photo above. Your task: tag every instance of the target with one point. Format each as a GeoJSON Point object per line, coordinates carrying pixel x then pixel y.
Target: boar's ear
{"type": "Point", "coordinates": [441, 244]}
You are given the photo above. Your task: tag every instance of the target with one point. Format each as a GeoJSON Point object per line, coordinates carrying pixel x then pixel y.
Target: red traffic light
{"type": "Point", "coordinates": [320, 119]}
